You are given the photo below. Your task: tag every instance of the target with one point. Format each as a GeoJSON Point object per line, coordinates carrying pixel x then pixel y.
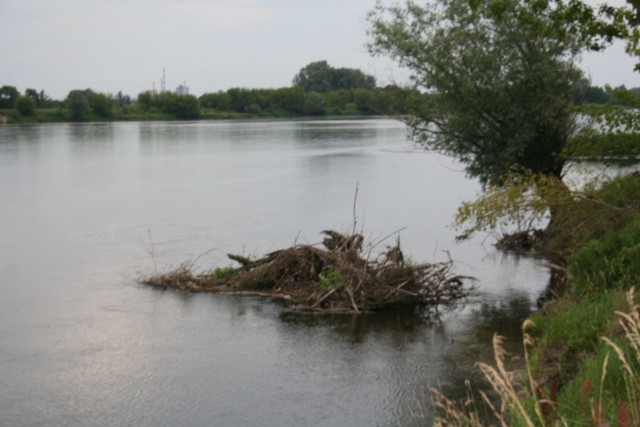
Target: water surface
{"type": "Point", "coordinates": [87, 208]}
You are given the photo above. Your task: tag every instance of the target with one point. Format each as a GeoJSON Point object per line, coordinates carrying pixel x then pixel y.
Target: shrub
{"type": "Point", "coordinates": [26, 106]}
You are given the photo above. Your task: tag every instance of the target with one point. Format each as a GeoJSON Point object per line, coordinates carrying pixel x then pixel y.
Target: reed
{"type": "Point", "coordinates": [535, 405]}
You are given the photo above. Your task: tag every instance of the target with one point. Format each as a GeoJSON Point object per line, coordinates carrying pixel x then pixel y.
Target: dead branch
{"type": "Point", "coordinates": [335, 278]}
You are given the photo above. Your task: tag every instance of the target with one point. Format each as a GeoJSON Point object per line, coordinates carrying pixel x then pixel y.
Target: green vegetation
{"type": "Point", "coordinates": [321, 77]}
{"type": "Point", "coordinates": [8, 97]}
{"type": "Point", "coordinates": [501, 74]}
{"type": "Point", "coordinates": [318, 90]}
{"type": "Point", "coordinates": [184, 107]}
{"type": "Point", "coordinates": [602, 390]}
{"type": "Point", "coordinates": [225, 272]}
{"type": "Point", "coordinates": [577, 377]}
{"type": "Point", "coordinates": [26, 106]}
{"type": "Point", "coordinates": [507, 100]}
{"type": "Point", "coordinates": [613, 261]}
{"type": "Point", "coordinates": [329, 278]}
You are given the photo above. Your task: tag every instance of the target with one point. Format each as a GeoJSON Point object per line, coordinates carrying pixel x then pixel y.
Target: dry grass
{"type": "Point", "coordinates": [630, 323]}
{"type": "Point", "coordinates": [512, 410]}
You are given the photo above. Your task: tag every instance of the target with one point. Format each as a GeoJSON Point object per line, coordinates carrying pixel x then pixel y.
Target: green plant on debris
{"type": "Point", "coordinates": [329, 278]}
{"type": "Point", "coordinates": [225, 272]}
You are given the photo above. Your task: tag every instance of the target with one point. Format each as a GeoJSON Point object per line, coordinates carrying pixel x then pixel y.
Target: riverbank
{"type": "Point", "coordinates": [598, 240]}
{"type": "Point", "coordinates": [582, 348]}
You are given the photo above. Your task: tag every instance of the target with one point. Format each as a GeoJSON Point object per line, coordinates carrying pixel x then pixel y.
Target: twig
{"type": "Point", "coordinates": [396, 289]}
{"type": "Point", "coordinates": [376, 243]}
{"type": "Point", "coordinates": [355, 201]}
{"type": "Point", "coordinates": [152, 253]}
{"type": "Point", "coordinates": [353, 301]}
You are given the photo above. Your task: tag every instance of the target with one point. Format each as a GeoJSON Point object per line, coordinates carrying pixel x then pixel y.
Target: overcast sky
{"type": "Point", "coordinates": [113, 45]}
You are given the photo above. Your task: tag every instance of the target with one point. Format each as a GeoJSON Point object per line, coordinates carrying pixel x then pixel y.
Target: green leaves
{"type": "Point", "coordinates": [521, 204]}
{"type": "Point", "coordinates": [321, 77]}
{"type": "Point", "coordinates": [502, 72]}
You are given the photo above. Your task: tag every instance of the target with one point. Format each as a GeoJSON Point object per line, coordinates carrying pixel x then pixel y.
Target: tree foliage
{"type": "Point", "coordinates": [180, 106]}
{"type": "Point", "coordinates": [519, 205]}
{"type": "Point", "coordinates": [8, 96]}
{"type": "Point", "coordinates": [500, 74]}
{"type": "Point", "coordinates": [38, 97]}
{"type": "Point", "coordinates": [321, 77]}
{"type": "Point", "coordinates": [78, 105]}
{"type": "Point", "coordinates": [294, 101]}
{"type": "Point", "coordinates": [26, 105]}
{"type": "Point", "coordinates": [101, 105]}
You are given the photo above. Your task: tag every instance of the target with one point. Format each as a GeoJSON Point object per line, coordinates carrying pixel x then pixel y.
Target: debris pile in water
{"type": "Point", "coordinates": [334, 277]}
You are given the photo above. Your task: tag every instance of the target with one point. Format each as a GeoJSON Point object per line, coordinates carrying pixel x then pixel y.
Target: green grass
{"type": "Point", "coordinates": [612, 261]}
{"type": "Point", "coordinates": [225, 272]}
{"type": "Point", "coordinates": [598, 237]}
{"type": "Point", "coordinates": [610, 209]}
{"type": "Point", "coordinates": [577, 324]}
{"type": "Point", "coordinates": [328, 279]}
{"type": "Point", "coordinates": [583, 396]}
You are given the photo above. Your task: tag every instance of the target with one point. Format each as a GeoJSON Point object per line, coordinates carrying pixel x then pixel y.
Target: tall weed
{"type": "Point", "coordinates": [606, 392]}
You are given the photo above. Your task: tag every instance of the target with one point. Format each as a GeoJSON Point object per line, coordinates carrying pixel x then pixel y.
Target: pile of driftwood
{"type": "Point", "coordinates": [333, 277]}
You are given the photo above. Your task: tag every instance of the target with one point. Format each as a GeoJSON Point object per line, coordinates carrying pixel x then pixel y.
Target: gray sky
{"type": "Point", "coordinates": [112, 45]}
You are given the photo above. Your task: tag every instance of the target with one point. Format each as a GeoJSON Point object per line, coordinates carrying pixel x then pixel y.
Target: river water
{"type": "Point", "coordinates": [86, 209]}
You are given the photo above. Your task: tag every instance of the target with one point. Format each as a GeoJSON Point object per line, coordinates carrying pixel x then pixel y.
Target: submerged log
{"type": "Point", "coordinates": [336, 277]}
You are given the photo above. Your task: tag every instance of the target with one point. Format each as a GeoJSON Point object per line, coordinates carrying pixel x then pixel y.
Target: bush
{"type": "Point", "coordinates": [26, 106]}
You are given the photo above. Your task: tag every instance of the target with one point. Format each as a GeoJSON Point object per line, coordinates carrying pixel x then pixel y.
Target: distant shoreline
{"type": "Point", "coordinates": [10, 117]}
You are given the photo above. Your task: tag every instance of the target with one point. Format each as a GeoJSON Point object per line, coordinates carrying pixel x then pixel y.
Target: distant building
{"type": "Point", "coordinates": [183, 89]}
{"type": "Point", "coordinates": [180, 90]}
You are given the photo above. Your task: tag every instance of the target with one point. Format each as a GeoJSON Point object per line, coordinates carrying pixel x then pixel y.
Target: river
{"type": "Point", "coordinates": [86, 209]}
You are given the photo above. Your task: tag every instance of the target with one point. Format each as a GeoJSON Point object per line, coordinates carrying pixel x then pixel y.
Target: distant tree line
{"type": "Point", "coordinates": [11, 98]}
{"type": "Point", "coordinates": [318, 89]}
{"type": "Point", "coordinates": [180, 106]}
{"type": "Point", "coordinates": [587, 94]}
{"type": "Point", "coordinates": [294, 101]}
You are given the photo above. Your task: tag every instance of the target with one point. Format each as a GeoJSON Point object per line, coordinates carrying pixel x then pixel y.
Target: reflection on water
{"type": "Point", "coordinates": [88, 208]}
{"type": "Point", "coordinates": [90, 133]}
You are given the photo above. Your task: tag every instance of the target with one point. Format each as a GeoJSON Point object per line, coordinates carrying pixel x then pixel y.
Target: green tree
{"type": "Point", "coordinates": [8, 96]}
{"type": "Point", "coordinates": [500, 75]}
{"type": "Point", "coordinates": [146, 100]}
{"type": "Point", "coordinates": [313, 104]}
{"type": "Point", "coordinates": [180, 106]}
{"type": "Point", "coordinates": [35, 95]}
{"type": "Point", "coordinates": [220, 101]}
{"type": "Point", "coordinates": [351, 78]}
{"type": "Point", "coordinates": [100, 104]}
{"type": "Point", "coordinates": [26, 105]}
{"type": "Point", "coordinates": [78, 105]}
{"type": "Point", "coordinates": [321, 77]}
{"type": "Point", "coordinates": [122, 99]}
{"type": "Point", "coordinates": [290, 99]}
{"type": "Point", "coordinates": [315, 77]}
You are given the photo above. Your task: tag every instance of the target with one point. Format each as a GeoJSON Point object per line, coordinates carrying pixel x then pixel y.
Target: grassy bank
{"type": "Point", "coordinates": [573, 363]}
{"type": "Point", "coordinates": [582, 350]}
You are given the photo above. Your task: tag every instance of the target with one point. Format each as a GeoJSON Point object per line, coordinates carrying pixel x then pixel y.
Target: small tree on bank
{"type": "Point", "coordinates": [500, 75]}
{"type": "Point", "coordinates": [78, 105]}
{"type": "Point", "coordinates": [25, 105]}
